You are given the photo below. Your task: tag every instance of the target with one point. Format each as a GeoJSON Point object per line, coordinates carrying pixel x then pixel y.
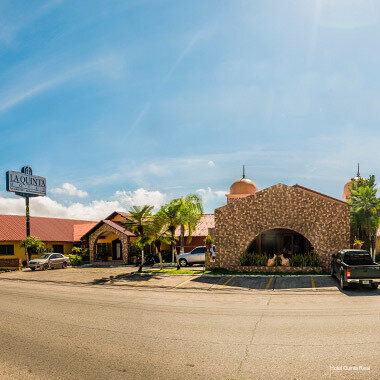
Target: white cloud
{"type": "Point", "coordinates": [211, 164]}
{"type": "Point", "coordinates": [212, 196]}
{"type": "Point", "coordinates": [95, 210]}
{"type": "Point", "coordinates": [70, 189]}
{"type": "Point", "coordinates": [141, 197]}
{"type": "Point", "coordinates": [45, 206]}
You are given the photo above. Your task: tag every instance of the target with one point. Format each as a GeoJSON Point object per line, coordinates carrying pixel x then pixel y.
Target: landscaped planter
{"type": "Point", "coordinates": [280, 269]}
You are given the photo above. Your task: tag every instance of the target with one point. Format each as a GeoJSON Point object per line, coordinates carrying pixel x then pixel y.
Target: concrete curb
{"type": "Point", "coordinates": [232, 275]}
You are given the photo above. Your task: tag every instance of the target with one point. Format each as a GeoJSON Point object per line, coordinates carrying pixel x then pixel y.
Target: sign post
{"type": "Point", "coordinates": [26, 185]}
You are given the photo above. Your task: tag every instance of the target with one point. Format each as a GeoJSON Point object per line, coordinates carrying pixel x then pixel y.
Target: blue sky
{"type": "Point", "coordinates": [133, 101]}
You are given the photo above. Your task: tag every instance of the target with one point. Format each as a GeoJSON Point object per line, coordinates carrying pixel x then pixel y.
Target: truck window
{"type": "Point", "coordinates": [355, 258]}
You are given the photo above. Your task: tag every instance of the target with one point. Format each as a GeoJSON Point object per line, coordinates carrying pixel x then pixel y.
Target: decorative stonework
{"type": "Point", "coordinates": [104, 229]}
{"type": "Point", "coordinates": [325, 222]}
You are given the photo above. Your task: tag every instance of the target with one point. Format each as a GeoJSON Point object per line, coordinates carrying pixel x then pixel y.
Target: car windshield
{"type": "Point", "coordinates": [44, 256]}
{"type": "Point", "coordinates": [357, 258]}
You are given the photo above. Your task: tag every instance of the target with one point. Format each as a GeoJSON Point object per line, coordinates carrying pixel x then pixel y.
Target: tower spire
{"type": "Point", "coordinates": [358, 174]}
{"type": "Point", "coordinates": [243, 171]}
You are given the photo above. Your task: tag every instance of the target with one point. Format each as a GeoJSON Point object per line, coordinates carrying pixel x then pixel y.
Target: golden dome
{"type": "Point", "coordinates": [347, 190]}
{"type": "Point", "coordinates": [243, 186]}
{"type": "Point", "coordinates": [348, 185]}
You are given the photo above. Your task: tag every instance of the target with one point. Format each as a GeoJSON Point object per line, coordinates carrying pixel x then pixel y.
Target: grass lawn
{"type": "Point", "coordinates": [227, 272]}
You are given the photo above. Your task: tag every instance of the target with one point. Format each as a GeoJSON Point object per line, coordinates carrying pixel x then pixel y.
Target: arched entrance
{"type": "Point", "coordinates": [282, 243]}
{"type": "Point", "coordinates": [280, 240]}
{"type": "Point", "coordinates": [108, 244]}
{"type": "Point", "coordinates": [108, 247]}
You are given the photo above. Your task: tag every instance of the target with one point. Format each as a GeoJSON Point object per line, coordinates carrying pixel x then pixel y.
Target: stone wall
{"type": "Point", "coordinates": [10, 263]}
{"type": "Point", "coordinates": [100, 231]}
{"type": "Point", "coordinates": [325, 222]}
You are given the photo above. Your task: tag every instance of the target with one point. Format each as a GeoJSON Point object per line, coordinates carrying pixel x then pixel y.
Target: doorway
{"type": "Point", "coordinates": [117, 253]}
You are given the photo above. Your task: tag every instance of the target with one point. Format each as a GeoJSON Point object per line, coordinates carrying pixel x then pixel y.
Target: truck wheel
{"type": "Point", "coordinates": [343, 284]}
{"type": "Point", "coordinates": [374, 286]}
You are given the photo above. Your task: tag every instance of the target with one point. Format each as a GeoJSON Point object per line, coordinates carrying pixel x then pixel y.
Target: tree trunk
{"type": "Point", "coordinates": [142, 259]}
{"type": "Point", "coordinates": [182, 242]}
{"type": "Point", "coordinates": [157, 246]}
{"type": "Point", "coordinates": [160, 257]}
{"type": "Point", "coordinates": [174, 254]}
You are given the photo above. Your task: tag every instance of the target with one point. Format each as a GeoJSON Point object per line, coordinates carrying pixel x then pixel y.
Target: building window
{"type": "Point", "coordinates": [7, 249]}
{"type": "Point", "coordinates": [103, 250]}
{"type": "Point", "coordinates": [58, 248]}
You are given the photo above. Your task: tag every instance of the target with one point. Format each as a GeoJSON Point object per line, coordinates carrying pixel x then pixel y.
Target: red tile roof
{"type": "Point", "coordinates": [207, 221]}
{"type": "Point", "coordinates": [13, 228]}
{"type": "Point", "coordinates": [81, 229]}
{"type": "Point", "coordinates": [119, 226]}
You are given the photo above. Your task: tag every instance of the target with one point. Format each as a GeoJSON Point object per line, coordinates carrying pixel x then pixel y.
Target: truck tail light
{"type": "Point", "coordinates": [348, 273]}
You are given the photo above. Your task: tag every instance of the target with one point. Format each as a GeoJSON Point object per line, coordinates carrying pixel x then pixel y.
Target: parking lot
{"type": "Point", "coordinates": [123, 277]}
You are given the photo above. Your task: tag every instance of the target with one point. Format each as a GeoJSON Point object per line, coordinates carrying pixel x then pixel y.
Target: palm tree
{"type": "Point", "coordinates": [158, 234]}
{"type": "Point", "coordinates": [191, 210]}
{"type": "Point", "coordinates": [138, 219]}
{"type": "Point", "coordinates": [366, 209]}
{"type": "Point", "coordinates": [33, 245]}
{"type": "Point", "coordinates": [171, 219]}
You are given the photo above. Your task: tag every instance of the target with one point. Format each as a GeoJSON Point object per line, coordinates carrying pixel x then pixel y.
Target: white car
{"type": "Point", "coordinates": [196, 256]}
{"type": "Point", "coordinates": [49, 261]}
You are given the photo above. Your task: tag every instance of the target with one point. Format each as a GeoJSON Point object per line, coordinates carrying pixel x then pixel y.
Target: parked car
{"type": "Point", "coordinates": [49, 261]}
{"type": "Point", "coordinates": [355, 266]}
{"type": "Point", "coordinates": [196, 256]}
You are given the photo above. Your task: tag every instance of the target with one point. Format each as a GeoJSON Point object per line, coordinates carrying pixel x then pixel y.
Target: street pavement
{"type": "Point", "coordinates": [111, 324]}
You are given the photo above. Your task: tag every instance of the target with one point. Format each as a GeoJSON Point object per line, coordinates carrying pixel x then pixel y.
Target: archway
{"type": "Point", "coordinates": [280, 241]}
{"type": "Point", "coordinates": [108, 244]}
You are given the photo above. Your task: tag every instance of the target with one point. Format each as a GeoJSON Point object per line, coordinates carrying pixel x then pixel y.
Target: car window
{"type": "Point", "coordinates": [54, 256]}
{"type": "Point", "coordinates": [195, 250]}
{"type": "Point", "coordinates": [357, 258]}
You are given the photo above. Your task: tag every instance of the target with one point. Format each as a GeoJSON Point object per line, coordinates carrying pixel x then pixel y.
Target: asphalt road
{"type": "Point", "coordinates": [62, 331]}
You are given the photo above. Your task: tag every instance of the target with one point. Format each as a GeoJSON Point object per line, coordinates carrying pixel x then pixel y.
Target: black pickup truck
{"type": "Point", "coordinates": [355, 266]}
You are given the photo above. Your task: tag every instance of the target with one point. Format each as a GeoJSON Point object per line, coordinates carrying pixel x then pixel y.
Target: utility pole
{"type": "Point", "coordinates": [26, 185]}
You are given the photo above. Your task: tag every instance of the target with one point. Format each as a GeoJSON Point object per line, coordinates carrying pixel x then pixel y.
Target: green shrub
{"type": "Point", "coordinates": [208, 240]}
{"type": "Point", "coordinates": [308, 260]}
{"type": "Point", "coordinates": [75, 260]}
{"type": "Point", "coordinates": [297, 261]}
{"type": "Point", "coordinates": [253, 260]}
{"type": "Point", "coordinates": [85, 255]}
{"type": "Point", "coordinates": [377, 258]}
{"type": "Point", "coordinates": [313, 260]}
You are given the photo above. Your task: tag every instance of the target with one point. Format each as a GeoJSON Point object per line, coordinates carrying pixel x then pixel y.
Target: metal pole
{"type": "Point", "coordinates": [27, 225]}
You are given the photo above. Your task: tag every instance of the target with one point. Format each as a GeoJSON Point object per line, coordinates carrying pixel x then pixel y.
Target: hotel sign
{"type": "Point", "coordinates": [25, 183]}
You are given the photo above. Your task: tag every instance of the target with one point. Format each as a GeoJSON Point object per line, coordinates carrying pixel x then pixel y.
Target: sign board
{"type": "Point", "coordinates": [25, 183]}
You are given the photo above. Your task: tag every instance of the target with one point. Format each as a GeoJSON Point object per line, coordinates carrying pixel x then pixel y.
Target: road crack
{"type": "Point", "coordinates": [245, 356]}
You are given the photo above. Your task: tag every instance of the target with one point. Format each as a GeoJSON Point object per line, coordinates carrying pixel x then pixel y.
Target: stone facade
{"type": "Point", "coordinates": [324, 221]}
{"type": "Point", "coordinates": [101, 231]}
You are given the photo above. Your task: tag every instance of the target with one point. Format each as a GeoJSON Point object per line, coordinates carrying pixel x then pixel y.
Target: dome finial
{"type": "Point", "coordinates": [358, 175]}
{"type": "Point", "coordinates": [243, 171]}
